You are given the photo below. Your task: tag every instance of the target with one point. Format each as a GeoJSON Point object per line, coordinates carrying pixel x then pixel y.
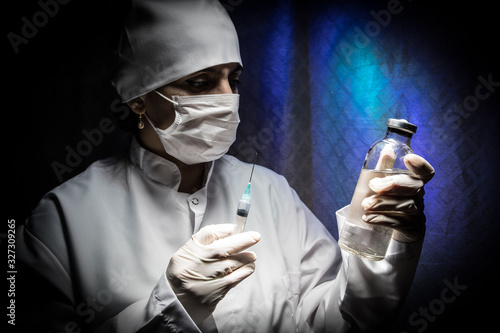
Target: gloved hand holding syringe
{"type": "Point", "coordinates": [244, 205]}
{"type": "Point", "coordinates": [213, 261]}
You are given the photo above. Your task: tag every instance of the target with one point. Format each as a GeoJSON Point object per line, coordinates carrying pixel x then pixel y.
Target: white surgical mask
{"type": "Point", "coordinates": [204, 127]}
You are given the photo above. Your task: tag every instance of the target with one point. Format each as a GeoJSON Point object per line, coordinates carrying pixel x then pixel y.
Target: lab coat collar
{"type": "Point", "coordinates": [160, 169]}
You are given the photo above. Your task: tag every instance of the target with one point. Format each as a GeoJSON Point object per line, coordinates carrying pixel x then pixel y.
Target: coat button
{"type": "Point", "coordinates": [195, 201]}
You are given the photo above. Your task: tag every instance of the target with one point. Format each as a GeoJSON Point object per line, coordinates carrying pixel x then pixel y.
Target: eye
{"type": "Point", "coordinates": [234, 80]}
{"type": "Point", "coordinates": [234, 85]}
{"type": "Point", "coordinates": [197, 83]}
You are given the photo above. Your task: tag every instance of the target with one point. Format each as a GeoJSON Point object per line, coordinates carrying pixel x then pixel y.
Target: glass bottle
{"type": "Point", "coordinates": [385, 157]}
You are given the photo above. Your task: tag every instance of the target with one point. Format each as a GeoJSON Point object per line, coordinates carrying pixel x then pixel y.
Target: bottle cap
{"type": "Point", "coordinates": [402, 124]}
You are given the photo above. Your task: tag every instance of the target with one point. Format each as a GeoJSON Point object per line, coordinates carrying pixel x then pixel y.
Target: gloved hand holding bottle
{"type": "Point", "coordinates": [388, 199]}
{"type": "Point", "coordinates": [211, 263]}
{"type": "Point", "coordinates": [399, 202]}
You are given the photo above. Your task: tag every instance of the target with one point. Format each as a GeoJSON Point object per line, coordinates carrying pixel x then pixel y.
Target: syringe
{"type": "Point", "coordinates": [243, 206]}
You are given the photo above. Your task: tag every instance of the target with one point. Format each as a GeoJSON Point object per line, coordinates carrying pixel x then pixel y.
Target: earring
{"type": "Point", "coordinates": [140, 124]}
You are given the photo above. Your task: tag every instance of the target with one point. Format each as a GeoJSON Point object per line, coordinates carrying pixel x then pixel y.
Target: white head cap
{"type": "Point", "coordinates": [166, 40]}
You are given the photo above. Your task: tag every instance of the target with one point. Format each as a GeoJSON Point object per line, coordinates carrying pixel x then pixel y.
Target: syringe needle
{"type": "Point", "coordinates": [253, 166]}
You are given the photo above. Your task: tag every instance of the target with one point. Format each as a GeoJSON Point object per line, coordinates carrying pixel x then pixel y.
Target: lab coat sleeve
{"type": "Point", "coordinates": [365, 296]}
{"type": "Point", "coordinates": [162, 312]}
{"type": "Point", "coordinates": [50, 289]}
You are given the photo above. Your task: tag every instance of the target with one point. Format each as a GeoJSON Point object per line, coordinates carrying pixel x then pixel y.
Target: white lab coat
{"type": "Point", "coordinates": [99, 245]}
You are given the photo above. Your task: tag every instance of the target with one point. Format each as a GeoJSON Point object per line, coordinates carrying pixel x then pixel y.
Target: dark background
{"type": "Point", "coordinates": [430, 57]}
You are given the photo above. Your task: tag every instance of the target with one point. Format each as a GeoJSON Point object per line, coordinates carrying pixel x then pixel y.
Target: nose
{"type": "Point", "coordinates": [224, 87]}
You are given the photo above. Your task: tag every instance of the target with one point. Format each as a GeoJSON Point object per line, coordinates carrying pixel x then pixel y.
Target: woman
{"type": "Point", "coordinates": [143, 241]}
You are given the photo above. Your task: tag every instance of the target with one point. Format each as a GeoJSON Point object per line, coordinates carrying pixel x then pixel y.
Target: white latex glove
{"type": "Point", "coordinates": [399, 202]}
{"type": "Point", "coordinates": [204, 269]}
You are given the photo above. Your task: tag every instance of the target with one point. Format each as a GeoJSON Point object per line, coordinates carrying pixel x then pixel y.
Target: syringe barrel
{"type": "Point", "coordinates": [241, 216]}
{"type": "Point", "coordinates": [243, 207]}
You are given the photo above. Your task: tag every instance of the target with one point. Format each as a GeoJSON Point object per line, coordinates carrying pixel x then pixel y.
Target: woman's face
{"type": "Point", "coordinates": [220, 79]}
